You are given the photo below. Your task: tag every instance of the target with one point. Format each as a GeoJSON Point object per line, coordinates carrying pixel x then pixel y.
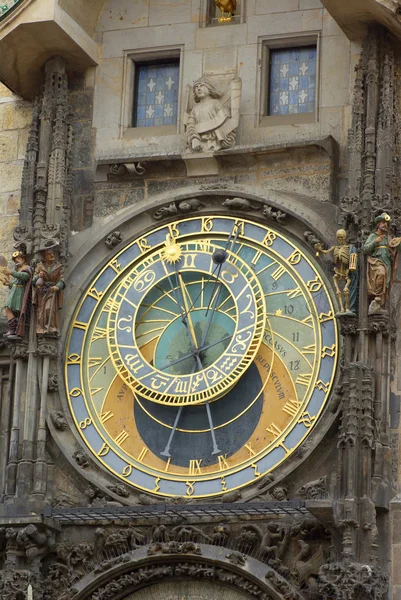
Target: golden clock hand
{"type": "Point", "coordinates": [187, 311]}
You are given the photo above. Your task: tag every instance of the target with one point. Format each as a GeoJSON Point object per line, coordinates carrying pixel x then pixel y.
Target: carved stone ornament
{"type": "Point", "coordinates": [211, 118]}
{"type": "Point", "coordinates": [81, 459]}
{"type": "Point", "coordinates": [346, 581]}
{"type": "Point", "coordinates": [124, 169]}
{"type": "Point", "coordinates": [59, 421]}
{"type": "Point", "coordinates": [113, 239]}
{"type": "Point", "coordinates": [314, 490]}
{"type": "Point", "coordinates": [175, 208]}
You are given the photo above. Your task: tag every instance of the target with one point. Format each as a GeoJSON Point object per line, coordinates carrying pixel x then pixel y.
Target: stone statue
{"type": "Point", "coordinates": [211, 118]}
{"type": "Point", "coordinates": [18, 297]}
{"type": "Point", "coordinates": [49, 283]}
{"type": "Point", "coordinates": [345, 271]}
{"type": "Point", "coordinates": [382, 251]}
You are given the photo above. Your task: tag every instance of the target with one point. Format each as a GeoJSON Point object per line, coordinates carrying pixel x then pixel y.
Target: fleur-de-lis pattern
{"type": "Point", "coordinates": [292, 82]}
{"type": "Point", "coordinates": [7, 5]}
{"type": "Point", "coordinates": [156, 95]}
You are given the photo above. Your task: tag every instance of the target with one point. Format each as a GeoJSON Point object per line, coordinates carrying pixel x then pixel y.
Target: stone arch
{"type": "Point", "coordinates": [219, 566]}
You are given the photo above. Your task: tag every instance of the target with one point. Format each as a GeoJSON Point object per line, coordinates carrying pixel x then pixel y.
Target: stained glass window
{"type": "Point", "coordinates": [156, 94]}
{"type": "Point", "coordinates": [292, 81]}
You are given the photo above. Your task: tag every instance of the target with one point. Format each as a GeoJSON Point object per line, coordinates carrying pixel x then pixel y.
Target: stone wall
{"type": "Point", "coordinates": [15, 119]}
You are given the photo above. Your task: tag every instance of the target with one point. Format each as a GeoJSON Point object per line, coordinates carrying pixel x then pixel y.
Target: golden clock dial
{"type": "Point", "coordinates": [167, 387]}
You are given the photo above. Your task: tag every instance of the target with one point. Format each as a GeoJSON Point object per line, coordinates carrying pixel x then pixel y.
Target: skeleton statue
{"type": "Point", "coordinates": [345, 271]}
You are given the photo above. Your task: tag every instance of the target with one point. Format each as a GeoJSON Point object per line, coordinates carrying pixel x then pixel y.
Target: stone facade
{"type": "Point", "coordinates": [325, 523]}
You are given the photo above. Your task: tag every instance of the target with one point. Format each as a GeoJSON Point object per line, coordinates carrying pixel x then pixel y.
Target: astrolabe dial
{"type": "Point", "coordinates": [162, 390]}
{"type": "Point", "coordinates": [184, 331]}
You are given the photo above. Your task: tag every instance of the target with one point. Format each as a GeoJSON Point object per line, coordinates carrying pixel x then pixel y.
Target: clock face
{"type": "Point", "coordinates": [6, 6]}
{"type": "Point", "coordinates": [201, 356]}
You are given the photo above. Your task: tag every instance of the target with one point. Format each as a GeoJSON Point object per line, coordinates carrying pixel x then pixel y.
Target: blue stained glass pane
{"type": "Point", "coordinates": [293, 76]}
{"type": "Point", "coordinates": [156, 94]}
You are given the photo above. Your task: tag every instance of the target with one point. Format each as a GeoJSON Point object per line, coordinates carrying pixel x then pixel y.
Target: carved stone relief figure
{"type": "Point", "coordinates": [18, 297]}
{"type": "Point", "coordinates": [49, 283]}
{"type": "Point", "coordinates": [211, 118]}
{"type": "Point", "coordinates": [382, 251]}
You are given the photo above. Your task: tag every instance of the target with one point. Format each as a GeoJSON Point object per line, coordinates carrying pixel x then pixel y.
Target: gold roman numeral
{"type": "Point", "coordinates": [106, 416]}
{"type": "Point", "coordinates": [304, 379]}
{"type": "Point", "coordinates": [291, 407]}
{"type": "Point", "coordinates": [195, 467]}
{"type": "Point", "coordinates": [120, 439]}
{"type": "Point", "coordinates": [279, 272]}
{"type": "Point", "coordinates": [142, 454]}
{"type": "Point", "coordinates": [223, 464]}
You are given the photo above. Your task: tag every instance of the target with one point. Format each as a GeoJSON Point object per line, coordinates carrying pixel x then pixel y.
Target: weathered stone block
{"type": "Point", "coordinates": [11, 177]}
{"type": "Point", "coordinates": [396, 561]}
{"type": "Point", "coordinates": [83, 181]}
{"type": "Point", "coordinates": [275, 6]}
{"type": "Point", "coordinates": [125, 15]}
{"type": "Point", "coordinates": [5, 92]}
{"type": "Point", "coordinates": [84, 144]}
{"type": "Point", "coordinates": [81, 105]}
{"type": "Point", "coordinates": [13, 204]}
{"type": "Point", "coordinates": [167, 12]}
{"type": "Point", "coordinates": [17, 115]}
{"type": "Point", "coordinates": [23, 135]}
{"type": "Point", "coordinates": [111, 198]}
{"type": "Point", "coordinates": [305, 4]}
{"type": "Point", "coordinates": [8, 145]}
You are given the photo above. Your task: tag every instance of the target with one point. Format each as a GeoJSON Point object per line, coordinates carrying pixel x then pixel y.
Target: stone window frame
{"type": "Point", "coordinates": [131, 57]}
{"type": "Point", "coordinates": [206, 19]}
{"type": "Point", "coordinates": [267, 43]}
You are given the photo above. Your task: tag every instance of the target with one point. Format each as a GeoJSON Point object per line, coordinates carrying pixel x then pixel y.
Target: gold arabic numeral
{"type": "Point", "coordinates": [134, 362]}
{"type": "Point", "coordinates": [106, 416]}
{"type": "Point", "coordinates": [314, 285]}
{"type": "Point", "coordinates": [104, 450]}
{"type": "Point", "coordinates": [307, 420]}
{"type": "Point", "coordinates": [115, 265]}
{"type": "Point", "coordinates": [304, 379]}
{"type": "Point", "coordinates": [195, 467]}
{"type": "Point", "coordinates": [256, 258]}
{"type": "Point", "coordinates": [279, 272]}
{"type": "Point", "coordinates": [81, 325]}
{"type": "Point", "coordinates": [127, 470]}
{"type": "Point", "coordinates": [94, 361]}
{"type": "Point", "coordinates": [229, 274]}
{"type": "Point", "coordinates": [244, 312]}
{"type": "Point", "coordinates": [75, 392]}
{"type": "Point", "coordinates": [255, 468]}
{"type": "Point", "coordinates": [99, 333]}
{"type": "Point", "coordinates": [223, 464]}
{"type": "Point", "coordinates": [143, 245]}
{"type": "Point", "coordinates": [122, 327]}
{"type": "Point", "coordinates": [173, 230]}
{"type": "Point", "coordinates": [291, 407]}
{"type": "Point", "coordinates": [322, 386]}
{"type": "Point", "coordinates": [95, 391]}
{"type": "Point", "coordinates": [189, 261]}
{"type": "Point", "coordinates": [94, 293]}
{"type": "Point", "coordinates": [207, 224]}
{"type": "Point", "coordinates": [190, 488]}
{"type": "Point", "coordinates": [85, 423]}
{"type": "Point", "coordinates": [121, 438]}
{"type": "Point", "coordinates": [324, 317]}
{"type": "Point", "coordinates": [269, 239]}
{"type": "Point", "coordinates": [295, 258]}
{"type": "Point", "coordinates": [251, 451]}
{"type": "Point", "coordinates": [142, 454]}
{"type": "Point", "coordinates": [167, 465]}
{"type": "Point", "coordinates": [311, 349]}
{"type": "Point", "coordinates": [157, 486]}
{"type": "Point", "coordinates": [223, 484]}
{"type": "Point", "coordinates": [240, 226]}
{"type": "Point", "coordinates": [294, 293]}
{"type": "Point", "coordinates": [329, 351]}
{"type": "Point", "coordinates": [74, 359]}
{"type": "Point", "coordinates": [144, 281]}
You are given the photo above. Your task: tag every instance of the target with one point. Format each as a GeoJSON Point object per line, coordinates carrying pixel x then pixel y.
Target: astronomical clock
{"type": "Point", "coordinates": [201, 356]}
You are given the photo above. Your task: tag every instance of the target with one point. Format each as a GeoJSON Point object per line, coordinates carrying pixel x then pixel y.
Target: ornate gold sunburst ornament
{"type": "Point", "coordinates": [172, 251]}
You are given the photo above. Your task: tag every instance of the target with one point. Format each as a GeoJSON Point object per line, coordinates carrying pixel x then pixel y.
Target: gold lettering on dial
{"type": "Point", "coordinates": [223, 464]}
{"type": "Point", "coordinates": [189, 261]}
{"type": "Point", "coordinates": [190, 488]}
{"type": "Point", "coordinates": [142, 454]}
{"type": "Point", "coordinates": [274, 430]}
{"type": "Point", "coordinates": [304, 379]}
{"type": "Point", "coordinates": [195, 467]}
{"type": "Point", "coordinates": [251, 451]}
{"type": "Point", "coordinates": [143, 245]}
{"type": "Point", "coordinates": [279, 272]}
{"type": "Point", "coordinates": [127, 470]}
{"type": "Point", "coordinates": [134, 362]}
{"type": "Point", "coordinates": [120, 439]}
{"type": "Point", "coordinates": [291, 407]}
{"type": "Point", "coordinates": [207, 224]}
{"type": "Point", "coordinates": [85, 423]}
{"type": "Point", "coordinates": [104, 417]}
